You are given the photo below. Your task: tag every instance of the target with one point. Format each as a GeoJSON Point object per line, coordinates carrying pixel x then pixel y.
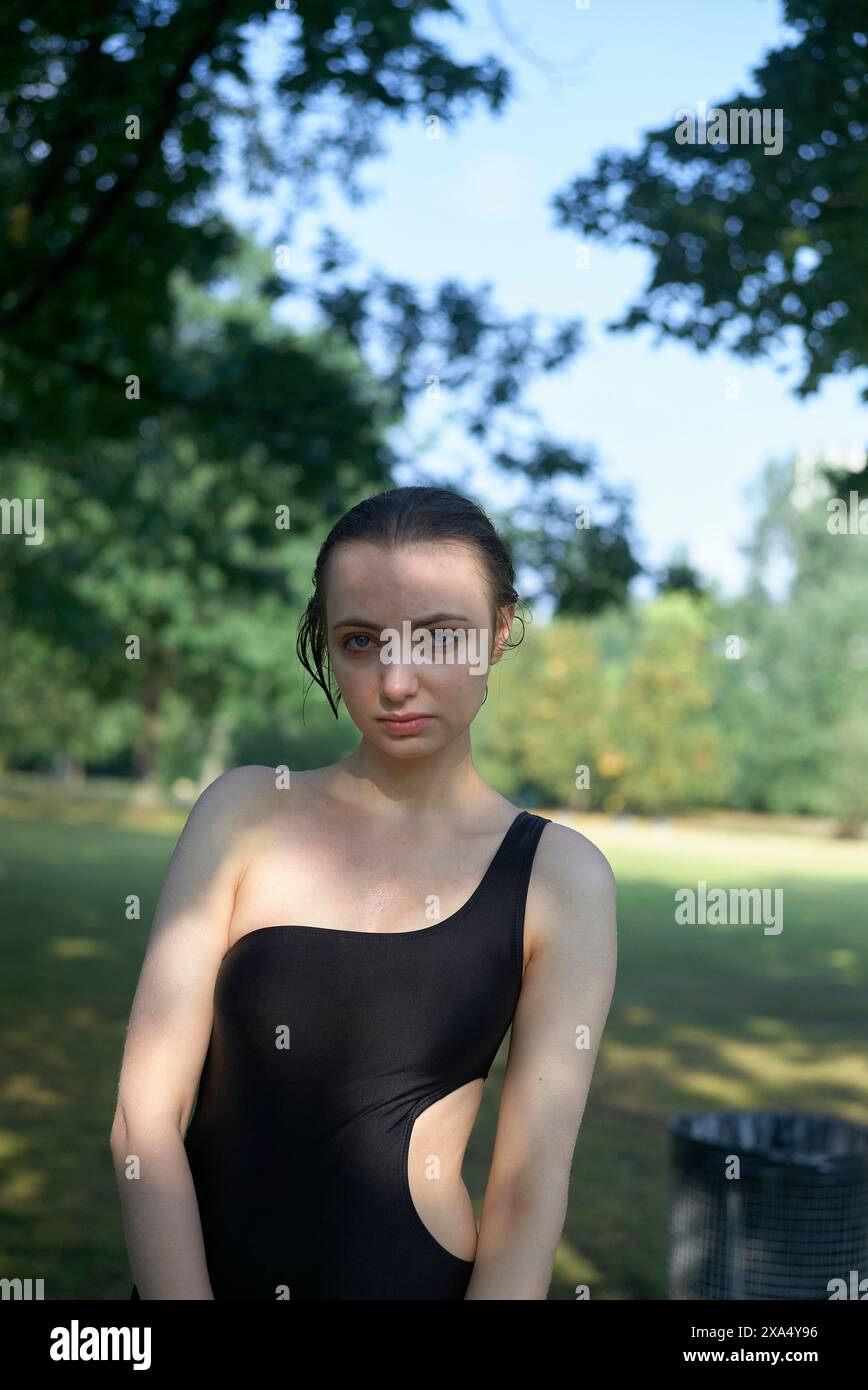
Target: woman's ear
{"type": "Point", "coordinates": [502, 631]}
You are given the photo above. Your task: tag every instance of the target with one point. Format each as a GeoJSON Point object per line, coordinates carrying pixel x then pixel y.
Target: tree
{"type": "Point", "coordinates": [679, 576]}
{"type": "Point", "coordinates": [534, 735]}
{"type": "Point", "coordinates": [846, 785]}
{"type": "Point", "coordinates": [113, 152]}
{"type": "Point", "coordinates": [794, 704]}
{"type": "Point", "coordinates": [749, 247]}
{"type": "Point", "coordinates": [194, 546]}
{"type": "Point", "coordinates": [173, 568]}
{"type": "Point", "coordinates": [580, 553]}
{"type": "Point", "coordinates": [115, 123]}
{"type": "Point", "coordinates": [149, 394]}
{"type": "Point", "coordinates": [673, 752]}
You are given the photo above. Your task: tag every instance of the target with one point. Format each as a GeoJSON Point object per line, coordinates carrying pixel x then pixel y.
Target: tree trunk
{"type": "Point", "coordinates": [849, 828]}
{"type": "Point", "coordinates": [214, 761]}
{"type": "Point", "coordinates": [145, 750]}
{"type": "Point", "coordinates": [67, 770]}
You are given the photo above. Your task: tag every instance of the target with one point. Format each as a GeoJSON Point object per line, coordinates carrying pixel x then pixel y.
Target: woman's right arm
{"type": "Point", "coordinates": [167, 1040]}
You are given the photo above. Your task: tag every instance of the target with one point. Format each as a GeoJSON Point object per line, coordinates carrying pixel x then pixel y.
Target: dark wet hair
{"type": "Point", "coordinates": [403, 516]}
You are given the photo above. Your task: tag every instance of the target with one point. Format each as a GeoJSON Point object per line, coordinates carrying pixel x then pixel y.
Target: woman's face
{"type": "Point", "coordinates": [380, 604]}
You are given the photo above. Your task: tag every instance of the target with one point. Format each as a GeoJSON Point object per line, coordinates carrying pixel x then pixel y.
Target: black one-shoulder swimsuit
{"type": "Point", "coordinates": [325, 1047]}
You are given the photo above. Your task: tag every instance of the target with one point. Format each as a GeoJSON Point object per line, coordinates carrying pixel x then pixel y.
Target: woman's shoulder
{"type": "Point", "coordinates": [244, 795]}
{"type": "Point", "coordinates": [251, 778]}
{"type": "Point", "coordinates": [571, 859]}
{"type": "Point", "coordinates": [238, 784]}
{"type": "Point", "coordinates": [573, 885]}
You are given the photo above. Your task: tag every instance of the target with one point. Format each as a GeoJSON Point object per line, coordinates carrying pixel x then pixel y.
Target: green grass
{"type": "Point", "coordinates": [703, 1017]}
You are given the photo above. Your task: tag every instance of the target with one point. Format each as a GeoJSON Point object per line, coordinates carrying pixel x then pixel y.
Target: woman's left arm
{"type": "Point", "coordinates": [570, 934]}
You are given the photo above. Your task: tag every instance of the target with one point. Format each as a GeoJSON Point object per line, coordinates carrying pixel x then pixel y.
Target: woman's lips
{"type": "Point", "coordinates": [407, 726]}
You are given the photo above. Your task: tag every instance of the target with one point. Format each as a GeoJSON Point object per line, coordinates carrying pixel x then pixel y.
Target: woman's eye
{"type": "Point", "coordinates": [441, 635]}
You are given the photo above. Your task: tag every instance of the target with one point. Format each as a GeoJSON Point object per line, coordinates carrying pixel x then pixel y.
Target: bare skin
{"type": "Point", "coordinates": [363, 845]}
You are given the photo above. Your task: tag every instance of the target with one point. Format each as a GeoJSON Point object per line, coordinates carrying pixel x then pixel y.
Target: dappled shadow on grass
{"type": "Point", "coordinates": [70, 960]}
{"type": "Point", "coordinates": [710, 1017]}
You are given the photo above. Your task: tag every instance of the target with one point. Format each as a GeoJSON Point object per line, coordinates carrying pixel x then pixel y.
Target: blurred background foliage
{"type": "Point", "coordinates": [680, 702]}
{"type": "Point", "coordinates": [166, 415]}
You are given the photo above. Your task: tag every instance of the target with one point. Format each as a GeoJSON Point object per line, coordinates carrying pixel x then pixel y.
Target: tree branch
{"type": "Point", "coordinates": [75, 250]}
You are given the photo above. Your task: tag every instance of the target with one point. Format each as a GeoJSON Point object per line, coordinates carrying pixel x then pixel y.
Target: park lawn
{"type": "Point", "coordinates": [703, 1017]}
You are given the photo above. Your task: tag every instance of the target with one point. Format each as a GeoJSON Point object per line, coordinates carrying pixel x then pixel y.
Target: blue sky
{"type": "Point", "coordinates": [474, 205]}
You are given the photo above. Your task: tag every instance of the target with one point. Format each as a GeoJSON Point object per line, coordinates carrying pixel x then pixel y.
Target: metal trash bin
{"type": "Point", "coordinates": [795, 1218]}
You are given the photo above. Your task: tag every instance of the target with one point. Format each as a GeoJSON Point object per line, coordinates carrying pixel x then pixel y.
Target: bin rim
{"type": "Point", "coordinates": [852, 1161]}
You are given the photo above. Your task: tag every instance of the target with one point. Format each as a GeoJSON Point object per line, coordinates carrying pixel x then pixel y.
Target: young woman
{"type": "Point", "coordinates": [337, 955]}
